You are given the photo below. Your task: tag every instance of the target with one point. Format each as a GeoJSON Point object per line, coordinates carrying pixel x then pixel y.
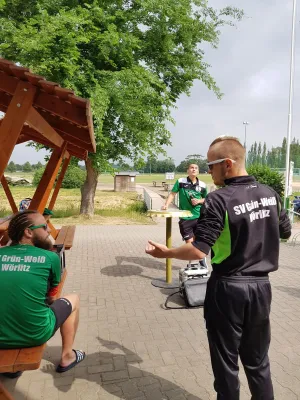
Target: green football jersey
{"type": "Point", "coordinates": [186, 191]}
{"type": "Point", "coordinates": [25, 274]}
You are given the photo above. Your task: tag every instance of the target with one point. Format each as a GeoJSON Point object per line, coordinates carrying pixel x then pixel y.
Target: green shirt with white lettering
{"type": "Point", "coordinates": [26, 272]}
{"type": "Point", "coordinates": [187, 190]}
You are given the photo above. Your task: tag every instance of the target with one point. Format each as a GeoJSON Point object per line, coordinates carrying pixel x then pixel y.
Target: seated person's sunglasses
{"type": "Point", "coordinates": [33, 227]}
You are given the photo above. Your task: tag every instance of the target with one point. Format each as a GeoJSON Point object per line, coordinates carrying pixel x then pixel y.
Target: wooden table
{"type": "Point", "coordinates": [168, 214]}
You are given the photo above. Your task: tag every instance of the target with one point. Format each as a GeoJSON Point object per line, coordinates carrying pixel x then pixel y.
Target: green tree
{"type": "Point", "coordinates": [166, 165]}
{"type": "Point", "coordinates": [254, 159]}
{"type": "Point", "coordinates": [250, 155]}
{"type": "Point", "coordinates": [266, 175]}
{"type": "Point", "coordinates": [132, 58]}
{"type": "Point", "coordinates": [74, 178]}
{"type": "Point", "coordinates": [259, 150]}
{"type": "Point", "coordinates": [151, 165]}
{"type": "Point", "coordinates": [11, 167]}
{"type": "Point", "coordinates": [27, 167]}
{"type": "Point", "coordinates": [283, 153]}
{"type": "Point", "coordinates": [193, 159]}
{"type": "Point", "coordinates": [38, 173]}
{"type": "Point", "coordinates": [264, 154]}
{"type": "Point", "coordinates": [123, 166]}
{"type": "Point", "coordinates": [19, 167]}
{"type": "Point", "coordinates": [295, 152]}
{"type": "Point", "coordinates": [38, 165]}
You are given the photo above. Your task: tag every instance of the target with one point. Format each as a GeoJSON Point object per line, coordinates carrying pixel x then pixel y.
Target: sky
{"type": "Point", "coordinates": [252, 68]}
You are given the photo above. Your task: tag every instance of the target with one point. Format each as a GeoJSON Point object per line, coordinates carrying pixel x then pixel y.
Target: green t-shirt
{"type": "Point", "coordinates": [186, 190]}
{"type": "Point", "coordinates": [25, 273]}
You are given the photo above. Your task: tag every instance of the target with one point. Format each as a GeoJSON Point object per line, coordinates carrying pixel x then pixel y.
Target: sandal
{"type": "Point", "coordinates": [80, 356]}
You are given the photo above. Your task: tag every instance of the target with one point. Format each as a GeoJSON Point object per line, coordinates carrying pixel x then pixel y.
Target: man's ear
{"type": "Point", "coordinates": [229, 163]}
{"type": "Point", "coordinates": [28, 233]}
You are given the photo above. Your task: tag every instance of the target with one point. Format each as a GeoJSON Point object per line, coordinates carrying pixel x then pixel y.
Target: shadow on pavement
{"type": "Point", "coordinates": [124, 270]}
{"type": "Point", "coordinates": [125, 381]}
{"type": "Point", "coordinates": [135, 268]}
{"type": "Point", "coordinates": [144, 262]}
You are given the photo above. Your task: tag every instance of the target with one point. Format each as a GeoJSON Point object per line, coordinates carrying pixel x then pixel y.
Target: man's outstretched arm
{"type": "Point", "coordinates": [184, 252]}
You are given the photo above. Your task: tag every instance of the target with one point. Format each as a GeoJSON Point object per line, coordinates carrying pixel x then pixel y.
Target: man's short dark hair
{"type": "Point", "coordinates": [18, 224]}
{"type": "Point", "coordinates": [192, 163]}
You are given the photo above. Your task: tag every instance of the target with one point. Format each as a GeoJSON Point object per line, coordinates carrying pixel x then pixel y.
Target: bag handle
{"type": "Point", "coordinates": [177, 308]}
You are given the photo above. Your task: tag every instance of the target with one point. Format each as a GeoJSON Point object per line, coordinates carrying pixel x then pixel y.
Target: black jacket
{"type": "Point", "coordinates": [242, 223]}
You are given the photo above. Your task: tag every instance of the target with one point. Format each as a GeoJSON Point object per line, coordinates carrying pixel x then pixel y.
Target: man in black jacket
{"type": "Point", "coordinates": [241, 224]}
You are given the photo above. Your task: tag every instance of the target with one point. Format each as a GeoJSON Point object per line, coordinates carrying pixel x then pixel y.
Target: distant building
{"type": "Point", "coordinates": [125, 181]}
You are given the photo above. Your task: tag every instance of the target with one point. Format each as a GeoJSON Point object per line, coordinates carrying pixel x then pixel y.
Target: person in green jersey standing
{"type": "Point", "coordinates": [192, 193]}
{"type": "Point", "coordinates": [29, 276]}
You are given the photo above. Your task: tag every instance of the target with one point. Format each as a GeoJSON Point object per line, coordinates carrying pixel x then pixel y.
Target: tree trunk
{"type": "Point", "coordinates": [88, 189]}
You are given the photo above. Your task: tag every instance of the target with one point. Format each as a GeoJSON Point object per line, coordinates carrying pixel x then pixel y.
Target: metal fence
{"type": "Point", "coordinates": [296, 171]}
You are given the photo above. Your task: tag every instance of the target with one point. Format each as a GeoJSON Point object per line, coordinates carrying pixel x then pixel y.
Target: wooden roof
{"type": "Point", "coordinates": [65, 117]}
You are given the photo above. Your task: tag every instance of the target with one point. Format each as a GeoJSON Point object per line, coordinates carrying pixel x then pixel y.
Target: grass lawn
{"type": "Point", "coordinates": [110, 207]}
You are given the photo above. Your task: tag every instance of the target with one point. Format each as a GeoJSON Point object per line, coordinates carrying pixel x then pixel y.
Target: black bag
{"type": "Point", "coordinates": [193, 291]}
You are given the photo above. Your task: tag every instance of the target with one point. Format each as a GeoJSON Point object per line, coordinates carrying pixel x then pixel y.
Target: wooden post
{"type": "Point", "coordinates": [13, 121]}
{"type": "Point", "coordinates": [45, 186]}
{"type": "Point", "coordinates": [59, 182]}
{"type": "Point", "coordinates": [9, 195]}
{"type": "Point", "coordinates": [54, 232]}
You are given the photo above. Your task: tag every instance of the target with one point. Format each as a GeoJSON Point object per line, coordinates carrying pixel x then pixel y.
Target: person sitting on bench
{"type": "Point", "coordinates": [26, 269]}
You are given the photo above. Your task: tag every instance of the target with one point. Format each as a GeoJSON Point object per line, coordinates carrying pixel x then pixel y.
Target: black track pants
{"type": "Point", "coordinates": [237, 312]}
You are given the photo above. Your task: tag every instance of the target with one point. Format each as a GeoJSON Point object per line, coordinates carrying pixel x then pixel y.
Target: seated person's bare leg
{"type": "Point", "coordinates": [68, 331]}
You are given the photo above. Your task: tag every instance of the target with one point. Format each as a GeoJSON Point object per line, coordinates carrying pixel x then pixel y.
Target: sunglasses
{"type": "Point", "coordinates": [33, 227]}
{"type": "Point", "coordinates": [210, 164]}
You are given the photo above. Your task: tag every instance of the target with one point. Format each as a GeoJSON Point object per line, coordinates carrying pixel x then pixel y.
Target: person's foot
{"type": "Point", "coordinates": [69, 361]}
{"type": "Point", "coordinates": [67, 358]}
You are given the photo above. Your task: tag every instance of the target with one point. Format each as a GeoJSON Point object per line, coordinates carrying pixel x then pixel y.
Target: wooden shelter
{"type": "Point", "coordinates": [42, 111]}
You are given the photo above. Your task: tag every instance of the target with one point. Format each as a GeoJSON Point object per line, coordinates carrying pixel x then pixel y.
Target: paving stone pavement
{"type": "Point", "coordinates": [136, 350]}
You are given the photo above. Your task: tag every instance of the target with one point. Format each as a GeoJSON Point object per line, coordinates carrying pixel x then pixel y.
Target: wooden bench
{"type": "Point", "coordinates": [155, 183]}
{"type": "Point", "coordinates": [66, 236]}
{"type": "Point", "coordinates": [25, 359]}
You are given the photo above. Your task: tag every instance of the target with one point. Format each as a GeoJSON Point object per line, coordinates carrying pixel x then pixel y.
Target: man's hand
{"type": "Point", "coordinates": [195, 202]}
{"type": "Point", "coordinates": [157, 250]}
{"type": "Point", "coordinates": [164, 207]}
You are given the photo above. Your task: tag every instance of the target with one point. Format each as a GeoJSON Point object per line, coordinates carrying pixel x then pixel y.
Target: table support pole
{"type": "Point", "coordinates": [169, 245]}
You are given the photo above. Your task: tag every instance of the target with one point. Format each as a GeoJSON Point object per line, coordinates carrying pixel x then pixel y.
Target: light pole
{"type": "Point", "coordinates": [289, 131]}
{"type": "Point", "coordinates": [245, 141]}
